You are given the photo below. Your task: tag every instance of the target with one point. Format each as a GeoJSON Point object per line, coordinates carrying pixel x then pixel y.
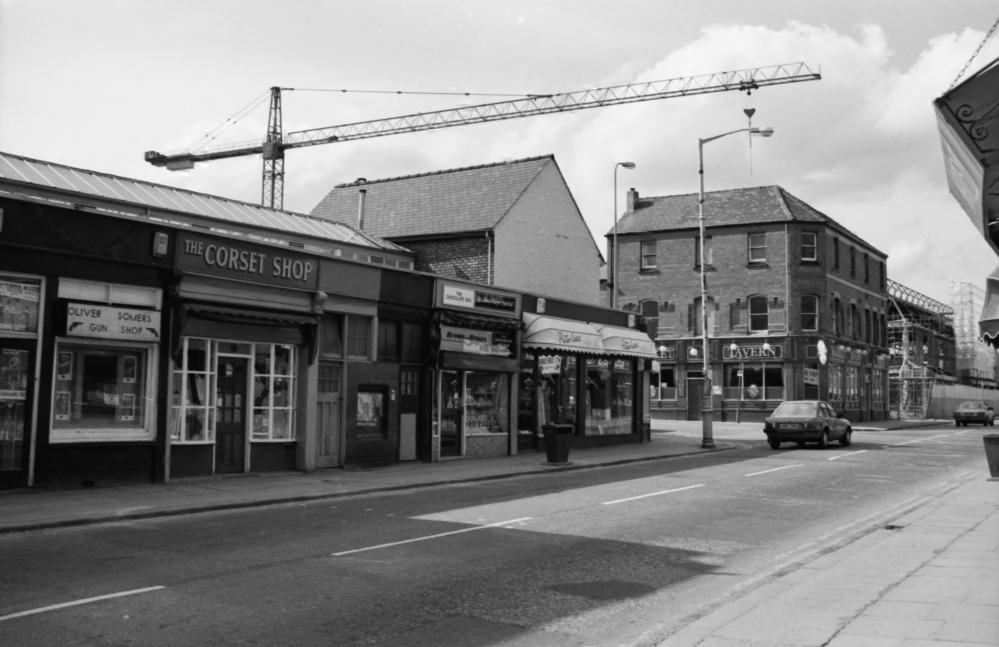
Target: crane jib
{"type": "Point", "coordinates": [745, 80]}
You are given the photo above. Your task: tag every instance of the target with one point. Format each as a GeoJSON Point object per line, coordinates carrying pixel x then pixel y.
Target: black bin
{"type": "Point", "coordinates": [991, 453]}
{"type": "Point", "coordinates": [557, 441]}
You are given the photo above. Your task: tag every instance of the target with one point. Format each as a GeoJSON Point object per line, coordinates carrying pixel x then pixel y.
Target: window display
{"type": "Point", "coordinates": [486, 402]}
{"type": "Point", "coordinates": [195, 378]}
{"type": "Point", "coordinates": [14, 368]}
{"type": "Point", "coordinates": [19, 301]}
{"type": "Point", "coordinates": [99, 387]}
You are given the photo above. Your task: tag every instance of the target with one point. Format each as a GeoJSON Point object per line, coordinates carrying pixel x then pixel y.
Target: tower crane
{"type": "Point", "coordinates": [275, 144]}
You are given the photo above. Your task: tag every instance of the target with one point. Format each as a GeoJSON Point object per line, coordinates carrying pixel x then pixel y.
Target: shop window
{"type": "Point", "coordinates": [759, 313]}
{"type": "Point", "coordinates": [358, 336]}
{"type": "Point", "coordinates": [487, 402]}
{"type": "Point", "coordinates": [663, 383]}
{"type": "Point", "coordinates": [331, 335]}
{"type": "Point", "coordinates": [273, 392]}
{"type": "Point", "coordinates": [192, 407]}
{"type": "Point", "coordinates": [809, 312]}
{"type": "Point", "coordinates": [649, 255]}
{"type": "Point", "coordinates": [101, 392]}
{"type": "Point", "coordinates": [762, 381]}
{"type": "Point", "coordinates": [757, 248]}
{"type": "Point", "coordinates": [19, 301]}
{"type": "Point", "coordinates": [809, 246]}
{"type": "Point", "coordinates": [372, 411]}
{"type": "Point", "coordinates": [609, 388]}
{"type": "Point", "coordinates": [388, 340]}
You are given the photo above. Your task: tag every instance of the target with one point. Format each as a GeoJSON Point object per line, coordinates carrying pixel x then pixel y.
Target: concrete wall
{"type": "Point", "coordinates": [945, 398]}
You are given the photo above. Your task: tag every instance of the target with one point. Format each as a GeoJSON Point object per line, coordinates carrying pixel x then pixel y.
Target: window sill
{"type": "Point", "coordinates": [649, 270]}
{"type": "Point", "coordinates": [707, 268]}
{"type": "Point", "coordinates": [757, 265]}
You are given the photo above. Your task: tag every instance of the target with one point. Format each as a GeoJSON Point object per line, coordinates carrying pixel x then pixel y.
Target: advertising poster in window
{"type": "Point", "coordinates": [127, 407]}
{"type": "Point", "coordinates": [370, 411]}
{"type": "Point", "coordinates": [19, 306]}
{"type": "Point", "coordinates": [62, 405]}
{"type": "Point", "coordinates": [129, 369]}
{"type": "Point", "coordinates": [64, 368]}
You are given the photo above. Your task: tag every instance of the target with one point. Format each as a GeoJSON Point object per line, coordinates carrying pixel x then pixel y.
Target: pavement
{"type": "Point", "coordinates": [929, 578]}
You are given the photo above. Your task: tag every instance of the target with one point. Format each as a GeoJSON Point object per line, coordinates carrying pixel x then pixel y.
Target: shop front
{"type": "Point", "coordinates": [244, 327]}
{"type": "Point", "coordinates": [476, 334]}
{"type": "Point", "coordinates": [20, 308]}
{"type": "Point", "coordinates": [591, 376]}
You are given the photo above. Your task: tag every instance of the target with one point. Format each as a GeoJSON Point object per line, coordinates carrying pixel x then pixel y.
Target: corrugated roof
{"type": "Point", "coordinates": [731, 207]}
{"type": "Point", "coordinates": [26, 173]}
{"type": "Point", "coordinates": [468, 199]}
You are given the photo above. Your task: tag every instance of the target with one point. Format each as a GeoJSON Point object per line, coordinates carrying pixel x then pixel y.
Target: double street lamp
{"type": "Point", "coordinates": [614, 265]}
{"type": "Point", "coordinates": [707, 408]}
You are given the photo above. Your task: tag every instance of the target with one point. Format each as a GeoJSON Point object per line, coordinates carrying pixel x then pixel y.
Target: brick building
{"type": "Point", "coordinates": [797, 304]}
{"type": "Point", "coordinates": [510, 224]}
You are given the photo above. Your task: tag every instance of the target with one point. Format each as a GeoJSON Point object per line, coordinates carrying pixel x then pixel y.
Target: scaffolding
{"type": "Point", "coordinates": [976, 360]}
{"type": "Point", "coordinates": [921, 348]}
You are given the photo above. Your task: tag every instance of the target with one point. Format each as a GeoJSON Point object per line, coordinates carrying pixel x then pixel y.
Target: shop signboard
{"type": "Point", "coordinates": [811, 376]}
{"type": "Point", "coordinates": [476, 342]}
{"type": "Point", "coordinates": [108, 322]}
{"type": "Point", "coordinates": [757, 351]}
{"type": "Point", "coordinates": [241, 261]}
{"type": "Point", "coordinates": [465, 297]}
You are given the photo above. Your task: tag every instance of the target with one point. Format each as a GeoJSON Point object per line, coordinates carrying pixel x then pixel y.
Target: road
{"type": "Point", "coordinates": [619, 555]}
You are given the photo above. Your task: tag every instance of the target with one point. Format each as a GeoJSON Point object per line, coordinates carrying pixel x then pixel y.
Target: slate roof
{"type": "Point", "coordinates": [731, 207]}
{"type": "Point", "coordinates": [462, 200]}
{"type": "Point", "coordinates": [114, 193]}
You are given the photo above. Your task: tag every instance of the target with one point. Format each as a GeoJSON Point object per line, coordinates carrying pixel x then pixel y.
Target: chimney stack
{"type": "Point", "coordinates": [361, 195]}
{"type": "Point", "coordinates": [632, 199]}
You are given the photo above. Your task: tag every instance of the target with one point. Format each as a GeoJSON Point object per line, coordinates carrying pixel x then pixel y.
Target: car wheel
{"type": "Point", "coordinates": [957, 424]}
{"type": "Point", "coordinates": [847, 438]}
{"type": "Point", "coordinates": [774, 444]}
{"type": "Point", "coordinates": [824, 439]}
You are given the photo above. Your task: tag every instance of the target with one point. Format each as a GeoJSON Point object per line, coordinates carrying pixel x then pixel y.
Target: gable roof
{"type": "Point", "coordinates": [462, 200]}
{"type": "Point", "coordinates": [731, 207]}
{"type": "Point", "coordinates": [115, 194]}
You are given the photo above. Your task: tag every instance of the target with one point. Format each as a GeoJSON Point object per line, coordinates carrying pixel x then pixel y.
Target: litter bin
{"type": "Point", "coordinates": [557, 439]}
{"type": "Point", "coordinates": [992, 453]}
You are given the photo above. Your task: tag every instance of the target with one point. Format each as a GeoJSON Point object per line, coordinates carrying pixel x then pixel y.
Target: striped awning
{"type": "Point", "coordinates": [626, 341]}
{"type": "Point", "coordinates": [555, 333]}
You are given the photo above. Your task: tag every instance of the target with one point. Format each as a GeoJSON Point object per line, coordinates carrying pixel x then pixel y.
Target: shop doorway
{"type": "Point", "coordinates": [230, 426]}
{"type": "Point", "coordinates": [409, 406]}
{"type": "Point", "coordinates": [452, 391]}
{"type": "Point", "coordinates": [16, 363]}
{"type": "Point", "coordinates": [695, 395]}
{"type": "Point", "coordinates": [329, 408]}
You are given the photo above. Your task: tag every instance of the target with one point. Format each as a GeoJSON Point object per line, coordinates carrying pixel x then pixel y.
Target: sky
{"type": "Point", "coordinates": [96, 83]}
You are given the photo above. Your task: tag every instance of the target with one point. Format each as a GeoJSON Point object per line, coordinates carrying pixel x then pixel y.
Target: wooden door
{"type": "Point", "coordinates": [328, 403]}
{"type": "Point", "coordinates": [695, 398]}
{"type": "Point", "coordinates": [409, 408]}
{"type": "Point", "coordinates": [231, 419]}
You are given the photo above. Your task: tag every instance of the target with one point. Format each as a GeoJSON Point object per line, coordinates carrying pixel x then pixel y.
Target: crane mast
{"type": "Point", "coordinates": [272, 149]}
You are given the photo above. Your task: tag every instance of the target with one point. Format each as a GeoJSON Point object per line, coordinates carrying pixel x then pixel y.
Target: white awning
{"type": "Point", "coordinates": [555, 333]}
{"type": "Point", "coordinates": [626, 341]}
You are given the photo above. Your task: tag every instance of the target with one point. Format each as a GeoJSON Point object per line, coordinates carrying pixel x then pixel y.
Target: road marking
{"type": "Point", "coordinates": [74, 603]}
{"type": "Point", "coordinates": [859, 451]}
{"type": "Point", "coordinates": [428, 537]}
{"type": "Point", "coordinates": [645, 496]}
{"type": "Point", "coordinates": [919, 440]}
{"type": "Point", "coordinates": [775, 469]}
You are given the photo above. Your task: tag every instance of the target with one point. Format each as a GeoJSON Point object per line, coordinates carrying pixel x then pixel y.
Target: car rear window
{"type": "Point", "coordinates": [796, 409]}
{"type": "Point", "coordinates": [971, 405]}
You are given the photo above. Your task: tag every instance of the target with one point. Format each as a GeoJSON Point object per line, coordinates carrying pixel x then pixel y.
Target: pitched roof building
{"type": "Point", "coordinates": [513, 224]}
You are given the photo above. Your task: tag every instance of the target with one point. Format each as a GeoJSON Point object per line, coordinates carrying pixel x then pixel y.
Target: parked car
{"type": "Point", "coordinates": [807, 421]}
{"type": "Point", "coordinates": [973, 411]}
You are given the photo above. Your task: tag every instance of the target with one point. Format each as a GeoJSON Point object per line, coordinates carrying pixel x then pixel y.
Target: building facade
{"type": "Point", "coordinates": [512, 224]}
{"type": "Point", "coordinates": [796, 304]}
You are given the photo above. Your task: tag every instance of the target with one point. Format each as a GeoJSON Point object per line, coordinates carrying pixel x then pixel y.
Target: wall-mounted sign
{"type": "Point", "coordinates": [239, 260]}
{"type": "Point", "coordinates": [460, 296]}
{"type": "Point", "coordinates": [811, 376]}
{"type": "Point", "coordinates": [550, 364]}
{"type": "Point", "coordinates": [476, 342]}
{"type": "Point", "coordinates": [667, 353]}
{"type": "Point", "coordinates": [757, 351]}
{"type": "Point", "coordinates": [107, 322]}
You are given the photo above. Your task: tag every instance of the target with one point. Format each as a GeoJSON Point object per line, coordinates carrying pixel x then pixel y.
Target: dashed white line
{"type": "Point", "coordinates": [74, 603]}
{"type": "Point", "coordinates": [919, 440]}
{"type": "Point", "coordinates": [775, 469]}
{"type": "Point", "coordinates": [859, 451]}
{"type": "Point", "coordinates": [428, 537]}
{"type": "Point", "coordinates": [647, 495]}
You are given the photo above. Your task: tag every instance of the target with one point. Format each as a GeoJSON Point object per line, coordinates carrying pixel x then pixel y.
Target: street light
{"type": "Point", "coordinates": [627, 165]}
{"type": "Point", "coordinates": [707, 413]}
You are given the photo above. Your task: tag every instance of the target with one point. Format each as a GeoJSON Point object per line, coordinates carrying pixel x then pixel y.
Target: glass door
{"type": "Point", "coordinates": [452, 408]}
{"type": "Point", "coordinates": [16, 363]}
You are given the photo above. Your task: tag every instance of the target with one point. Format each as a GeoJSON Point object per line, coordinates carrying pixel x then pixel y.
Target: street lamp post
{"type": "Point", "coordinates": [613, 300]}
{"type": "Point", "coordinates": [707, 412]}
{"type": "Point", "coordinates": [738, 407]}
